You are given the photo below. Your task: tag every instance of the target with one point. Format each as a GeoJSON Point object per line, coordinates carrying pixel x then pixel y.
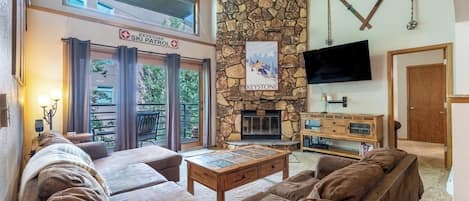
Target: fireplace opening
{"type": "Point", "coordinates": [261, 124]}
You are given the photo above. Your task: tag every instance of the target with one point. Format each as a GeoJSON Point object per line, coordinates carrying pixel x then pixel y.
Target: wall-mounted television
{"type": "Point", "coordinates": [342, 63]}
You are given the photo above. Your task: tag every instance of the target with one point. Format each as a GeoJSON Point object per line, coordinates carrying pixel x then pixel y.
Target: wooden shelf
{"type": "Point", "coordinates": [335, 151]}
{"type": "Point", "coordinates": [336, 126]}
{"type": "Point", "coordinates": [341, 137]}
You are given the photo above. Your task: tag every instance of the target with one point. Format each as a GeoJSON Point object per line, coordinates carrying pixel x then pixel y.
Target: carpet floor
{"type": "Point", "coordinates": [433, 175]}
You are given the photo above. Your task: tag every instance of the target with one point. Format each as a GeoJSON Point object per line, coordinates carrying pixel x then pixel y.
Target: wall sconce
{"type": "Point", "coordinates": [330, 100]}
{"type": "Point", "coordinates": [49, 110]}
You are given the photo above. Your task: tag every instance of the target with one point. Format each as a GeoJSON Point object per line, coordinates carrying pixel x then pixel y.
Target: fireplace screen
{"type": "Point", "coordinates": [265, 126]}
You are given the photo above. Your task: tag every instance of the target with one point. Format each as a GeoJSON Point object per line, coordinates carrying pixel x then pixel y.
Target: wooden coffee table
{"type": "Point", "coordinates": [224, 170]}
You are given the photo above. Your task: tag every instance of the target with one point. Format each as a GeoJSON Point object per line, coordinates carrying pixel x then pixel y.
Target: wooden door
{"type": "Point", "coordinates": [426, 92]}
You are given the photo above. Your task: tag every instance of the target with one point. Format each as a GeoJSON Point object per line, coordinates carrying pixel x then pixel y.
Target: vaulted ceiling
{"type": "Point", "coordinates": [176, 8]}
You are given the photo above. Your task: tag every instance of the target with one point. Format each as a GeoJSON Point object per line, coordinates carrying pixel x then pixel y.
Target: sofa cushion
{"type": "Point", "coordinates": [96, 149]}
{"type": "Point", "coordinates": [131, 177]}
{"type": "Point", "coordinates": [386, 158]}
{"type": "Point", "coordinates": [156, 157]}
{"type": "Point", "coordinates": [59, 177]}
{"type": "Point", "coordinates": [78, 194]}
{"type": "Point", "coordinates": [273, 197]}
{"type": "Point", "coordinates": [265, 196]}
{"type": "Point", "coordinates": [295, 187]}
{"type": "Point", "coordinates": [168, 191]}
{"type": "Point", "coordinates": [329, 164]}
{"type": "Point", "coordinates": [256, 197]}
{"type": "Point", "coordinates": [350, 183]}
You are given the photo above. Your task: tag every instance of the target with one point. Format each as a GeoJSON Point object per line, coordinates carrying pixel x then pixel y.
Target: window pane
{"type": "Point", "coordinates": [105, 8]}
{"type": "Point", "coordinates": [178, 15]}
{"type": "Point", "coordinates": [189, 98]}
{"type": "Point", "coordinates": [103, 90]}
{"type": "Point", "coordinates": [151, 98]}
{"type": "Point", "coordinates": [77, 3]}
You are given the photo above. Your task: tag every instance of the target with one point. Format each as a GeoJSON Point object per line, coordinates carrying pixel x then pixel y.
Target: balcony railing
{"type": "Point", "coordinates": [103, 122]}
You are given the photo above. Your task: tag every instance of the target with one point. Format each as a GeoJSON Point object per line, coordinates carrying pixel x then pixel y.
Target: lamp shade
{"type": "Point", "coordinates": [56, 94]}
{"type": "Point", "coordinates": [43, 100]}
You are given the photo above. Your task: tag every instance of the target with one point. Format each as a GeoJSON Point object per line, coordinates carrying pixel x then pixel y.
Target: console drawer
{"type": "Point", "coordinates": [333, 122]}
{"type": "Point", "coordinates": [271, 167]}
{"type": "Point", "coordinates": [239, 178]}
{"type": "Point", "coordinates": [334, 130]}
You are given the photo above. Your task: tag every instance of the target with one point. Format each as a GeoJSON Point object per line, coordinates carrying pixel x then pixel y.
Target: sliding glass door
{"type": "Point", "coordinates": [190, 103]}
{"type": "Point", "coordinates": [154, 114]}
{"type": "Point", "coordinates": [103, 79]}
{"type": "Point", "coordinates": [151, 100]}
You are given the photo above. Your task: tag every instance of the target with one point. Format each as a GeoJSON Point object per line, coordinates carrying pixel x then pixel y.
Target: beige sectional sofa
{"type": "Point", "coordinates": [62, 171]}
{"type": "Point", "coordinates": [383, 175]}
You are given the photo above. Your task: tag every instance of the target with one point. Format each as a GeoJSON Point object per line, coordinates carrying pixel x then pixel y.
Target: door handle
{"type": "Point", "coordinates": [442, 112]}
{"type": "Point", "coordinates": [412, 108]}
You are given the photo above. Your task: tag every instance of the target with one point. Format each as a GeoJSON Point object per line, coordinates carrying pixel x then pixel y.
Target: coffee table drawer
{"type": "Point", "coordinates": [204, 177]}
{"type": "Point", "coordinates": [239, 178]}
{"type": "Point", "coordinates": [271, 167]}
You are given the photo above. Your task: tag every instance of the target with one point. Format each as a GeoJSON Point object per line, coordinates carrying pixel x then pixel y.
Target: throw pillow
{"type": "Point", "coordinates": [78, 194]}
{"type": "Point", "coordinates": [59, 177]}
{"type": "Point", "coordinates": [350, 183]}
{"type": "Point", "coordinates": [386, 158]}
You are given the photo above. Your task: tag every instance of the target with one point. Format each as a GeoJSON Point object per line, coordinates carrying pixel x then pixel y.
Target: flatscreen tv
{"type": "Point", "coordinates": [342, 63]}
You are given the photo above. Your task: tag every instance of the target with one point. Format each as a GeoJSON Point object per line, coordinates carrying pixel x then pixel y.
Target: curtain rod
{"type": "Point", "coordinates": [143, 51]}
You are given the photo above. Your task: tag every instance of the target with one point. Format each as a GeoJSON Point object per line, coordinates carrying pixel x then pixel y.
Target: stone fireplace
{"type": "Point", "coordinates": [239, 21]}
{"type": "Point", "coordinates": [261, 124]}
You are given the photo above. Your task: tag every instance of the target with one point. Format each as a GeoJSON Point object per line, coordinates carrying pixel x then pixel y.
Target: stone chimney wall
{"type": "Point", "coordinates": [239, 21]}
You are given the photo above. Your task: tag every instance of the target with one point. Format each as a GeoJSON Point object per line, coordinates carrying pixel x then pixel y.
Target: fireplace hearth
{"type": "Point", "coordinates": [265, 124]}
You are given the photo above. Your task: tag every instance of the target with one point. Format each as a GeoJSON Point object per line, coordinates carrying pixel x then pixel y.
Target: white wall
{"type": "Point", "coordinates": [11, 138]}
{"type": "Point", "coordinates": [461, 112]}
{"type": "Point", "coordinates": [461, 70]}
{"type": "Point", "coordinates": [436, 25]}
{"type": "Point", "coordinates": [400, 82]}
{"type": "Point", "coordinates": [44, 56]}
{"type": "Point", "coordinates": [460, 153]}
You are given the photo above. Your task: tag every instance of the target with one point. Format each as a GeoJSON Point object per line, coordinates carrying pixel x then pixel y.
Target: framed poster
{"type": "Point", "coordinates": [19, 27]}
{"type": "Point", "coordinates": [261, 65]}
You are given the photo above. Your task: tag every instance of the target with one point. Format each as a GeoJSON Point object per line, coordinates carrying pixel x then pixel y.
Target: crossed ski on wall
{"type": "Point", "coordinates": [365, 21]}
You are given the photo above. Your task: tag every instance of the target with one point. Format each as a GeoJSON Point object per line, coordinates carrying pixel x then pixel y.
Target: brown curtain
{"type": "Point", "coordinates": [75, 90]}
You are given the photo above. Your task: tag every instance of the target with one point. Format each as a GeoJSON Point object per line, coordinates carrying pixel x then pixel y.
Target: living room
{"type": "Point", "coordinates": [206, 109]}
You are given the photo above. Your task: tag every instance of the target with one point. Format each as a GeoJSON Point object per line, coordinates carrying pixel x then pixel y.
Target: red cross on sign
{"type": "Point", "coordinates": [124, 34]}
{"type": "Point", "coordinates": [174, 43]}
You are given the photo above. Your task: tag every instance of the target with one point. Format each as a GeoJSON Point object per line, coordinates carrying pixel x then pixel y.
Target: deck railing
{"type": "Point", "coordinates": [103, 121]}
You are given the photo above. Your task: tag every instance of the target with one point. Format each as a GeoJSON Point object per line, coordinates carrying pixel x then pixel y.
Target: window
{"type": "Point", "coordinates": [105, 8]}
{"type": "Point", "coordinates": [178, 15]}
{"type": "Point", "coordinates": [76, 3]}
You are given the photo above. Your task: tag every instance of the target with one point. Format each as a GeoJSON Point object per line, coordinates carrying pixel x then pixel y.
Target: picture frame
{"type": "Point", "coordinates": [262, 70]}
{"type": "Point", "coordinates": [18, 31]}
